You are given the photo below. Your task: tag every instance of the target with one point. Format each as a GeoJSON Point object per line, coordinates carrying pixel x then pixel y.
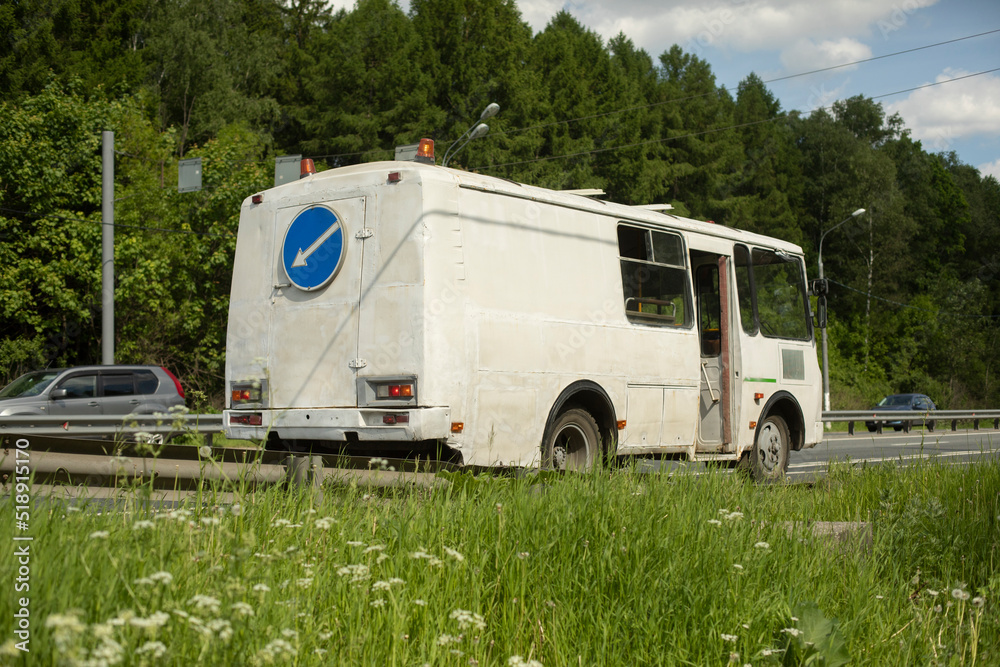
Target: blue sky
{"type": "Point", "coordinates": [777, 38]}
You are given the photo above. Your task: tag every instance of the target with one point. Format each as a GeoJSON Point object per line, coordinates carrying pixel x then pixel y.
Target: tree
{"type": "Point", "coordinates": [202, 71]}
{"type": "Point", "coordinates": [362, 106]}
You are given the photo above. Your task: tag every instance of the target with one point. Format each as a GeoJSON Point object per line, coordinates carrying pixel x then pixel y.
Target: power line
{"type": "Point", "coordinates": [906, 305]}
{"type": "Point", "coordinates": [732, 88]}
{"type": "Point", "coordinates": [653, 104]}
{"type": "Point", "coordinates": [710, 131]}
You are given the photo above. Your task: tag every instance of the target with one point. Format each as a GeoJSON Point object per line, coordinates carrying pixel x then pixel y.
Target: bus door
{"type": "Point", "coordinates": [712, 289]}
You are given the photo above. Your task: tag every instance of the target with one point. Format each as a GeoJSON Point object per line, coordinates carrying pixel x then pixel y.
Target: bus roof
{"type": "Point", "coordinates": [509, 188]}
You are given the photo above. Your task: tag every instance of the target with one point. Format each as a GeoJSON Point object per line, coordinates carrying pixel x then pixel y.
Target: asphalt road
{"type": "Point", "coordinates": [893, 447]}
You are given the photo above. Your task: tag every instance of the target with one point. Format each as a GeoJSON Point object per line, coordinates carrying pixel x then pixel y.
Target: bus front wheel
{"type": "Point", "coordinates": [573, 442]}
{"type": "Point", "coordinates": [768, 460]}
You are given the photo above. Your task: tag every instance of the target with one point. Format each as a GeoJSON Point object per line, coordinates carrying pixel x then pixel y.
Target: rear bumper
{"type": "Point", "coordinates": [334, 424]}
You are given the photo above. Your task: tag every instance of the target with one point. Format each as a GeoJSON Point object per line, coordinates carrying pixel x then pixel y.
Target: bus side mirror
{"type": "Point", "coordinates": [821, 312]}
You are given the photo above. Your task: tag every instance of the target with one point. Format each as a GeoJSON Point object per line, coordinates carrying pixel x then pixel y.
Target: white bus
{"type": "Point", "coordinates": [399, 309]}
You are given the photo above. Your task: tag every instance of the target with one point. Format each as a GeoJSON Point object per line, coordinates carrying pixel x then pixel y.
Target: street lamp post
{"type": "Point", "coordinates": [478, 129]}
{"type": "Point", "coordinates": [826, 360]}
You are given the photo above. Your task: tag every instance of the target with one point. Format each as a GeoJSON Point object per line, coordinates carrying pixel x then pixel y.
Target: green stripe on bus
{"type": "Point", "coordinates": [761, 380]}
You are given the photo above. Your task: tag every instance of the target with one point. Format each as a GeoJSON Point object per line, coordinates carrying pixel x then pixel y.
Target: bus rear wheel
{"type": "Point", "coordinates": [573, 442]}
{"type": "Point", "coordinates": [768, 460]}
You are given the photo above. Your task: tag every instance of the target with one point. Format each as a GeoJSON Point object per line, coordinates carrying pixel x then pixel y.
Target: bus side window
{"type": "Point", "coordinates": [744, 290]}
{"type": "Point", "coordinates": [654, 278]}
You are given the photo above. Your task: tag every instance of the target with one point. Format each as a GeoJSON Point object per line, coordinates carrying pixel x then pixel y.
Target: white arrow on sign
{"type": "Point", "coordinates": [301, 256]}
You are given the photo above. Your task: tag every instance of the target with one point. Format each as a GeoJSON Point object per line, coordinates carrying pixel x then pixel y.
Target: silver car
{"type": "Point", "coordinates": [92, 390]}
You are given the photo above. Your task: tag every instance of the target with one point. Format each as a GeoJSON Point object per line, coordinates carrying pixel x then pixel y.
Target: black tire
{"type": "Point", "coordinates": [872, 428]}
{"type": "Point", "coordinates": [573, 442]}
{"type": "Point", "coordinates": [768, 459]}
{"type": "Point", "coordinates": [897, 428]}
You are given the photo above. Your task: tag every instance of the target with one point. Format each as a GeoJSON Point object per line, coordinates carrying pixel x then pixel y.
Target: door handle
{"type": "Point", "coordinates": [93, 404]}
{"type": "Point", "coordinates": [711, 392]}
{"type": "Point", "coordinates": [134, 401]}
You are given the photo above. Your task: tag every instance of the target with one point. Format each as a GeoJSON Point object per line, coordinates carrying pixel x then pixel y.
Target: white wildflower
{"type": "Point", "coordinates": [374, 547]}
{"type": "Point", "coordinates": [733, 516]}
{"type": "Point", "coordinates": [108, 652]}
{"type": "Point", "coordinates": [377, 602]}
{"type": "Point", "coordinates": [737, 566]}
{"type": "Point", "coordinates": [355, 572]}
{"type": "Point", "coordinates": [289, 633]}
{"type": "Point", "coordinates": [261, 588]}
{"type": "Point", "coordinates": [99, 535]}
{"type": "Point", "coordinates": [467, 619]}
{"type": "Point", "coordinates": [355, 543]}
{"type": "Point", "coordinates": [959, 594]}
{"type": "Point", "coordinates": [220, 628]}
{"type": "Point", "coordinates": [305, 582]}
{"type": "Point", "coordinates": [729, 638]}
{"type": "Point", "coordinates": [420, 603]}
{"type": "Point", "coordinates": [381, 586]}
{"type": "Point", "coordinates": [932, 592]}
{"type": "Point", "coordinates": [762, 545]}
{"type": "Point", "coordinates": [236, 509]}
{"type": "Point", "coordinates": [444, 640]}
{"type": "Point", "coordinates": [325, 523]}
{"type": "Point", "coordinates": [454, 554]}
{"type": "Point", "coordinates": [795, 632]}
{"type": "Point", "coordinates": [156, 620]}
{"type": "Point", "coordinates": [978, 602]}
{"type": "Point", "coordinates": [205, 452]}
{"type": "Point", "coordinates": [210, 520]}
{"type": "Point", "coordinates": [204, 603]}
{"type": "Point", "coordinates": [518, 661]}
{"type": "Point", "coordinates": [143, 524]}
{"type": "Point", "coordinates": [242, 609]}
{"type": "Point", "coordinates": [715, 522]}
{"type": "Point", "coordinates": [154, 650]}
{"type": "Point", "coordinates": [523, 555]}
{"type": "Point", "coordinates": [278, 649]}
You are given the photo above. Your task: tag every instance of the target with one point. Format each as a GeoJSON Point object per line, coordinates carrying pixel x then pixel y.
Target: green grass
{"type": "Point", "coordinates": [610, 568]}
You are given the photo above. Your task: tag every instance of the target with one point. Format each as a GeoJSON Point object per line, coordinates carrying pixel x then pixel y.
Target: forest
{"type": "Point", "coordinates": [915, 281]}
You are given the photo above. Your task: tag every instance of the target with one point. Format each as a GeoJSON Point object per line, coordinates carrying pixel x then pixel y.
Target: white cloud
{"type": "Point", "coordinates": [741, 25]}
{"type": "Point", "coordinates": [807, 55]}
{"type": "Point", "coordinates": [990, 169]}
{"type": "Point", "coordinates": [966, 108]}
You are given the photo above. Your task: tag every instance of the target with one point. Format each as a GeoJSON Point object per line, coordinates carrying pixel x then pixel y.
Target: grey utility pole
{"type": "Point", "coordinates": [826, 360]}
{"type": "Point", "coordinates": [108, 248]}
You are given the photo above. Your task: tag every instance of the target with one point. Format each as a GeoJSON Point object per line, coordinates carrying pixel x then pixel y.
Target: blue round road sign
{"type": "Point", "coordinates": [313, 250]}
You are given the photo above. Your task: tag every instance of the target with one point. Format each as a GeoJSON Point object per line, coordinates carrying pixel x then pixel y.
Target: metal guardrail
{"type": "Point", "coordinates": [131, 427]}
{"type": "Point", "coordinates": [78, 465]}
{"type": "Point", "coordinates": [907, 417]}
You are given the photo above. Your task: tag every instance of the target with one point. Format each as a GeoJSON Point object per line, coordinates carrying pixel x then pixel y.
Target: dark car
{"type": "Point", "coordinates": [92, 390]}
{"type": "Point", "coordinates": [915, 402]}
